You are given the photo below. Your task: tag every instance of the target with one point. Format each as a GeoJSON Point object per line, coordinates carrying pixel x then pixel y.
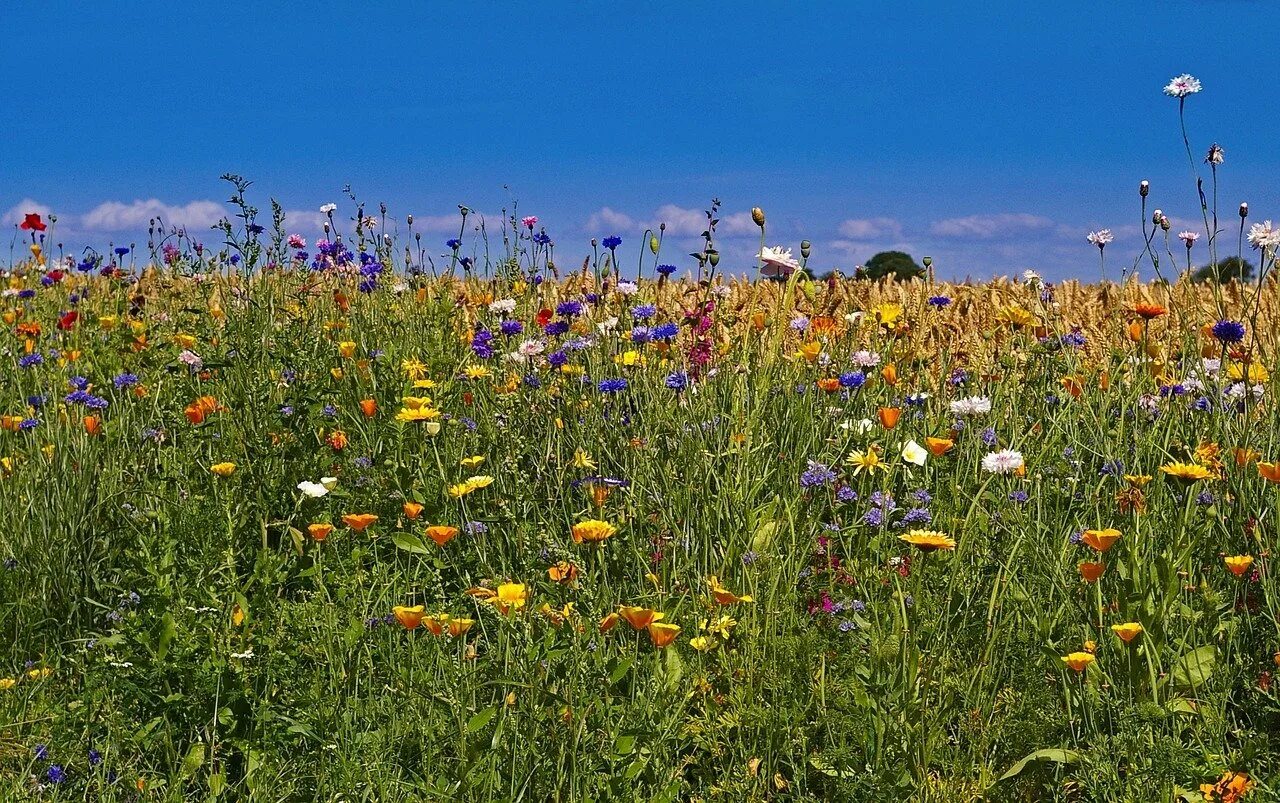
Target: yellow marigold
{"type": "Point", "coordinates": [592, 531]}
{"type": "Point", "coordinates": [1186, 472]}
{"type": "Point", "coordinates": [929, 540]}
{"type": "Point", "coordinates": [223, 469]}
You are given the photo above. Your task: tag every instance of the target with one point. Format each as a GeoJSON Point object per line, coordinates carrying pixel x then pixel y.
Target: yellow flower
{"type": "Point", "coordinates": [471, 462]}
{"type": "Point", "coordinates": [476, 371]}
{"type": "Point", "coordinates": [459, 490]}
{"type": "Point", "coordinates": [809, 351]}
{"type": "Point", "coordinates": [867, 461]}
{"type": "Point", "coordinates": [1187, 472]}
{"type": "Point", "coordinates": [347, 349]}
{"type": "Point", "coordinates": [223, 469]}
{"type": "Point", "coordinates": [1137, 480]}
{"type": "Point", "coordinates": [723, 595]}
{"type": "Point", "coordinates": [1101, 540]}
{"type": "Point", "coordinates": [408, 616]}
{"type": "Point", "coordinates": [721, 626]}
{"type": "Point", "coordinates": [581, 459]}
{"type": "Point", "coordinates": [184, 341]}
{"type": "Point", "coordinates": [1127, 631]}
{"type": "Point", "coordinates": [510, 596]}
{"type": "Point", "coordinates": [479, 481]}
{"type": "Point", "coordinates": [592, 531]}
{"type": "Point", "coordinates": [888, 314]}
{"type": "Point", "coordinates": [662, 633]}
{"type": "Point", "coordinates": [8, 683]}
{"type": "Point", "coordinates": [929, 540]}
{"type": "Point", "coordinates": [1079, 661]}
{"type": "Point", "coordinates": [1016, 316]}
{"type": "Point", "coordinates": [413, 368]}
{"type": "Point", "coordinates": [703, 644]}
{"type": "Point", "coordinates": [1238, 564]}
{"type": "Point", "coordinates": [1256, 372]}
{"type": "Point", "coordinates": [629, 358]}
{"type": "Point", "coordinates": [417, 414]}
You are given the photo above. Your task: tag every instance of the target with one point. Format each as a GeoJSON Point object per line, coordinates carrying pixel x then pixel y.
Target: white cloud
{"type": "Point", "coordinates": [989, 226]}
{"type": "Point", "coordinates": [872, 228]}
{"type": "Point", "coordinates": [114, 216]}
{"type": "Point", "coordinates": [681, 222]}
{"type": "Point", "coordinates": [19, 210]}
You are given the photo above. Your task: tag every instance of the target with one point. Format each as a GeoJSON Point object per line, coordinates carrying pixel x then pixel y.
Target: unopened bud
{"type": "Point", "coordinates": [1164, 222]}
{"type": "Point", "coordinates": [593, 242]}
{"type": "Point", "coordinates": [805, 245]}
{"type": "Point", "coordinates": [410, 220]}
{"type": "Point", "coordinates": [1244, 210]}
{"type": "Point", "coordinates": [928, 261]}
{"type": "Point", "coordinates": [714, 258]}
{"type": "Point", "coordinates": [757, 214]}
{"type": "Point", "coordinates": [1144, 188]}
{"type": "Point", "coordinates": [1155, 217]}
{"type": "Point", "coordinates": [653, 244]}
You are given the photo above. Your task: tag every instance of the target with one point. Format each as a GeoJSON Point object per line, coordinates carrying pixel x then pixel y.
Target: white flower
{"type": "Point", "coordinates": [861, 426]}
{"type": "Point", "coordinates": [329, 482]}
{"type": "Point", "coordinates": [328, 209]}
{"type": "Point", "coordinates": [190, 358]}
{"type": "Point", "coordinates": [1211, 365]}
{"type": "Point", "coordinates": [973, 405]}
{"type": "Point", "coordinates": [721, 291]}
{"type": "Point", "coordinates": [243, 655]}
{"type": "Point", "coordinates": [777, 262]}
{"type": "Point", "coordinates": [628, 288]}
{"type": "Point", "coordinates": [853, 317]}
{"type": "Point", "coordinates": [1005, 461]}
{"type": "Point", "coordinates": [369, 222]}
{"type": "Point", "coordinates": [1264, 235]}
{"type": "Point", "coordinates": [503, 306]}
{"type": "Point", "coordinates": [399, 288]}
{"type": "Point", "coordinates": [914, 453]}
{"type": "Point", "coordinates": [1100, 238]}
{"type": "Point", "coordinates": [1182, 85]}
{"type": "Point", "coordinates": [865, 359]}
{"type": "Point", "coordinates": [315, 490]}
{"type": "Point", "coordinates": [531, 348]}
{"type": "Point", "coordinates": [1188, 237]}
{"type": "Point", "coordinates": [608, 324]}
{"type": "Point", "coordinates": [1030, 277]}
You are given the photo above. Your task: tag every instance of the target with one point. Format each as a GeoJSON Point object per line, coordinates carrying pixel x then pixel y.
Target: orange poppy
{"type": "Point", "coordinates": [320, 530]}
{"type": "Point", "coordinates": [1269, 471]}
{"type": "Point", "coordinates": [408, 616]}
{"type": "Point", "coordinates": [829, 384]}
{"type": "Point", "coordinates": [890, 374]}
{"type": "Point", "coordinates": [93, 425]}
{"type": "Point", "coordinates": [1101, 540]}
{"type": "Point", "coordinates": [412, 510]}
{"type": "Point", "coordinates": [441, 533]}
{"type": "Point", "coordinates": [359, 521]}
{"type": "Point", "coordinates": [1149, 311]}
{"type": "Point", "coordinates": [889, 416]}
{"type": "Point", "coordinates": [369, 407]}
{"type": "Point", "coordinates": [663, 634]}
{"type": "Point", "coordinates": [638, 617]}
{"type": "Point", "coordinates": [563, 572]}
{"type": "Point", "coordinates": [1091, 571]}
{"type": "Point", "coordinates": [939, 446]}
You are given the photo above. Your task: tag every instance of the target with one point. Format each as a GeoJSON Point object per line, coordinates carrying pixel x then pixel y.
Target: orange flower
{"type": "Point", "coordinates": [663, 634]}
{"type": "Point", "coordinates": [1244, 455]}
{"type": "Point", "coordinates": [359, 521]}
{"type": "Point", "coordinates": [829, 384]}
{"type": "Point", "coordinates": [1072, 385]}
{"type": "Point", "coordinates": [1091, 571]}
{"type": "Point", "coordinates": [194, 413]}
{"type": "Point", "coordinates": [939, 446]}
{"type": "Point", "coordinates": [592, 531]}
{"type": "Point", "coordinates": [93, 425]}
{"type": "Point", "coordinates": [1269, 471]}
{"type": "Point", "coordinates": [563, 572]}
{"type": "Point", "coordinates": [441, 533]}
{"type": "Point", "coordinates": [1238, 564]}
{"type": "Point", "coordinates": [436, 623]}
{"type": "Point", "coordinates": [337, 440]}
{"type": "Point", "coordinates": [458, 627]}
{"type": "Point", "coordinates": [369, 407]}
{"type": "Point", "coordinates": [638, 617]}
{"type": "Point", "coordinates": [1079, 661]}
{"type": "Point", "coordinates": [1101, 540]}
{"type": "Point", "coordinates": [410, 617]}
{"type": "Point", "coordinates": [320, 530]}
{"type": "Point", "coordinates": [1148, 311]}
{"type": "Point", "coordinates": [412, 510]}
{"type": "Point", "coordinates": [889, 416]}
{"type": "Point", "coordinates": [890, 374]}
{"type": "Point", "coordinates": [609, 622]}
{"type": "Point", "coordinates": [1127, 631]}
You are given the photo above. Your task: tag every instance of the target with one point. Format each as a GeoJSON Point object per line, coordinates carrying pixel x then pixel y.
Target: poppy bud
{"type": "Point", "coordinates": [928, 261]}
{"type": "Point", "coordinates": [653, 244]}
{"type": "Point", "coordinates": [714, 258]}
{"type": "Point", "coordinates": [1155, 217]}
{"type": "Point", "coordinates": [805, 247]}
{"type": "Point", "coordinates": [1144, 188]}
{"type": "Point", "coordinates": [757, 214]}
{"type": "Point", "coordinates": [593, 242]}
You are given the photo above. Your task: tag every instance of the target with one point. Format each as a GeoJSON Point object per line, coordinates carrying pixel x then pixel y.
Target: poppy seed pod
{"type": "Point", "coordinates": [805, 246]}
{"type": "Point", "coordinates": [757, 214]}
{"type": "Point", "coordinates": [928, 261]}
{"type": "Point", "coordinates": [1144, 188]}
{"type": "Point", "coordinates": [714, 258]}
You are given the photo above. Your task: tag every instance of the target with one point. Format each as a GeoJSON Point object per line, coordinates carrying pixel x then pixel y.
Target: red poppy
{"type": "Point", "coordinates": [544, 316]}
{"type": "Point", "coordinates": [68, 320]}
{"type": "Point", "coordinates": [56, 276]}
{"type": "Point", "coordinates": [32, 222]}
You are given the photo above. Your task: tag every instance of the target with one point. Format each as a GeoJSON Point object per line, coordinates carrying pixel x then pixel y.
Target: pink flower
{"type": "Point", "coordinates": [297, 241]}
{"type": "Point", "coordinates": [529, 222]}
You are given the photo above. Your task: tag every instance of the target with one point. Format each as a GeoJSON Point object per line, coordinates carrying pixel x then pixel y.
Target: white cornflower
{"type": "Point", "coordinates": [627, 288]}
{"type": "Point", "coordinates": [608, 324]}
{"type": "Point", "coordinates": [328, 209]}
{"type": "Point", "coordinates": [1100, 238]}
{"type": "Point", "coordinates": [1182, 85]}
{"type": "Point", "coordinates": [503, 306]}
{"type": "Point", "coordinates": [1005, 461]}
{"type": "Point", "coordinates": [973, 405]}
{"type": "Point", "coordinates": [865, 359]}
{"type": "Point", "coordinates": [1264, 235]}
{"type": "Point", "coordinates": [531, 348]}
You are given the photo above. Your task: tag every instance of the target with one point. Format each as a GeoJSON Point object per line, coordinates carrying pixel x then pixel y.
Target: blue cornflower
{"type": "Point", "coordinates": [36, 401]}
{"type": "Point", "coordinates": [873, 517]}
{"type": "Point", "coordinates": [125, 381]}
{"type": "Point", "coordinates": [95, 758]}
{"type": "Point", "coordinates": [1229, 331]}
{"type": "Point", "coordinates": [939, 301]}
{"type": "Point", "coordinates": [480, 344]}
{"type": "Point", "coordinates": [532, 381]}
{"type": "Point", "coordinates": [510, 328]}
{"type": "Point", "coordinates": [368, 285]}
{"type": "Point", "coordinates": [846, 494]}
{"type": "Point", "coordinates": [569, 309]}
{"type": "Point", "coordinates": [28, 423]}
{"type": "Point", "coordinates": [41, 752]}
{"type": "Point", "coordinates": [917, 515]}
{"type": "Point", "coordinates": [30, 360]}
{"type": "Point", "coordinates": [122, 250]}
{"type": "Point", "coordinates": [643, 312]}
{"type": "Point", "coordinates": [852, 379]}
{"type": "Point", "coordinates": [557, 359]}
{"type": "Point", "coordinates": [454, 244]}
{"type": "Point", "coordinates": [1204, 499]}
{"type": "Point", "coordinates": [665, 331]}
{"type": "Point", "coordinates": [1020, 497]}
{"type": "Point", "coordinates": [641, 335]}
{"type": "Point", "coordinates": [666, 270]}
{"type": "Point", "coordinates": [989, 436]}
{"type": "Point", "coordinates": [612, 385]}
{"type": "Point", "coordinates": [816, 474]}
{"type": "Point", "coordinates": [329, 411]}
{"type": "Point", "coordinates": [55, 773]}
{"type": "Point", "coordinates": [611, 242]}
{"type": "Point", "coordinates": [556, 328]}
{"type": "Point", "coordinates": [677, 380]}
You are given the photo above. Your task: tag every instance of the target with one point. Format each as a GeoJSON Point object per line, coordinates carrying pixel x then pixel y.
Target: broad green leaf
{"type": "Point", "coordinates": [481, 719]}
{"type": "Point", "coordinates": [410, 543]}
{"type": "Point", "coordinates": [1193, 668]}
{"type": "Point", "coordinates": [1056, 755]}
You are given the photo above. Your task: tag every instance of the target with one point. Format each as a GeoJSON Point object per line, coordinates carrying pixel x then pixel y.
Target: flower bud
{"type": "Point", "coordinates": [757, 214]}
{"type": "Point", "coordinates": [1155, 217]}
{"type": "Point", "coordinates": [1244, 210]}
{"type": "Point", "coordinates": [1164, 222]}
{"type": "Point", "coordinates": [410, 220]}
{"type": "Point", "coordinates": [714, 258]}
{"type": "Point", "coordinates": [1144, 188]}
{"type": "Point", "coordinates": [805, 245]}
{"type": "Point", "coordinates": [653, 244]}
{"type": "Point", "coordinates": [928, 262]}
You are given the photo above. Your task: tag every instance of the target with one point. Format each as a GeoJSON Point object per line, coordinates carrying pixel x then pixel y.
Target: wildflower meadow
{"type": "Point", "coordinates": [344, 514]}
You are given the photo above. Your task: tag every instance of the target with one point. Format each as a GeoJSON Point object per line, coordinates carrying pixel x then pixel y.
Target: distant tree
{"type": "Point", "coordinates": [896, 263]}
{"type": "Point", "coordinates": [1227, 269]}
{"type": "Point", "coordinates": [831, 274]}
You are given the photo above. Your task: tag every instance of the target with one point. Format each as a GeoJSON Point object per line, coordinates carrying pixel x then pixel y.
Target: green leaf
{"type": "Point", "coordinates": [194, 760]}
{"type": "Point", "coordinates": [410, 543]}
{"type": "Point", "coordinates": [164, 634]}
{"type": "Point", "coordinates": [1193, 668]}
{"type": "Point", "coordinates": [763, 537]}
{"type": "Point", "coordinates": [1056, 755]}
{"type": "Point", "coordinates": [831, 772]}
{"type": "Point", "coordinates": [620, 671]}
{"type": "Point", "coordinates": [483, 718]}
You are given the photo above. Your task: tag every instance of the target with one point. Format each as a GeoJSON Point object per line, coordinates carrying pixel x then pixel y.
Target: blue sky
{"type": "Point", "coordinates": [991, 137]}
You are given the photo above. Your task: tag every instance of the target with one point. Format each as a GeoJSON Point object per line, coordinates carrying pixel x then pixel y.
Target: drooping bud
{"type": "Point", "coordinates": [653, 244]}
{"type": "Point", "coordinates": [805, 246]}
{"type": "Point", "coordinates": [757, 214]}
{"type": "Point", "coordinates": [1144, 188]}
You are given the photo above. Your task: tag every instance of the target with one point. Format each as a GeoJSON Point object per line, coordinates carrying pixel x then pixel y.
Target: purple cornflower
{"type": "Point", "coordinates": [678, 380]}
{"type": "Point", "coordinates": [1228, 331]}
{"type": "Point", "coordinates": [989, 436]}
{"type": "Point", "coordinates": [939, 301]}
{"type": "Point", "coordinates": [612, 385]}
{"type": "Point", "coordinates": [853, 380]}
